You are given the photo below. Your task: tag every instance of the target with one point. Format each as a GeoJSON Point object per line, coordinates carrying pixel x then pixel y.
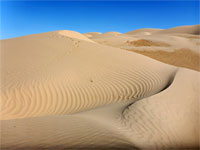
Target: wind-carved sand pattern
{"type": "Point", "coordinates": [62, 90]}
{"type": "Point", "coordinates": [73, 89]}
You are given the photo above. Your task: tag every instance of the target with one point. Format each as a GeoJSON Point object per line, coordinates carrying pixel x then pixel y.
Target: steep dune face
{"type": "Point", "coordinates": [194, 29]}
{"type": "Point", "coordinates": [171, 117]}
{"type": "Point", "coordinates": [52, 74]}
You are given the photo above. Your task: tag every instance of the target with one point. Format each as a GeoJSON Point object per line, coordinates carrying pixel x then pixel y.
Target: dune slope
{"type": "Point", "coordinates": [181, 57]}
{"type": "Point", "coordinates": [181, 42]}
{"type": "Point", "coordinates": [62, 90]}
{"type": "Point", "coordinates": [168, 119]}
{"type": "Point", "coordinates": [171, 117]}
{"type": "Point", "coordinates": [51, 75]}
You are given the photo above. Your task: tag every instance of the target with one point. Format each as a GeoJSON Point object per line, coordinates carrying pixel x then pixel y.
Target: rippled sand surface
{"type": "Point", "coordinates": [63, 90]}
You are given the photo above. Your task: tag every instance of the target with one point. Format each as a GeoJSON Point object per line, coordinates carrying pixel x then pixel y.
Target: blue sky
{"type": "Point", "coordinates": [20, 18]}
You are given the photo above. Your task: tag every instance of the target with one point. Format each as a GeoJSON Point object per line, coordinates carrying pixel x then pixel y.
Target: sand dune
{"type": "Point", "coordinates": [163, 47]}
{"type": "Point", "coordinates": [75, 35]}
{"type": "Point", "coordinates": [63, 90]}
{"type": "Point", "coordinates": [171, 117]}
{"type": "Point", "coordinates": [112, 33]}
{"type": "Point", "coordinates": [159, 121]}
{"type": "Point", "coordinates": [194, 29]}
{"type": "Point", "coordinates": [91, 34]}
{"type": "Point", "coordinates": [68, 74]}
{"type": "Point", "coordinates": [181, 57]}
{"type": "Point", "coordinates": [145, 31]}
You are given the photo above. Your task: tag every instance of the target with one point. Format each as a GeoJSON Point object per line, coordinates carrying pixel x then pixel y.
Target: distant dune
{"type": "Point", "coordinates": [180, 57]}
{"type": "Point", "coordinates": [194, 29]}
{"type": "Point", "coordinates": [64, 89]}
{"type": "Point", "coordinates": [112, 33]}
{"type": "Point", "coordinates": [91, 34]}
{"type": "Point", "coordinates": [145, 31]}
{"type": "Point", "coordinates": [159, 41]}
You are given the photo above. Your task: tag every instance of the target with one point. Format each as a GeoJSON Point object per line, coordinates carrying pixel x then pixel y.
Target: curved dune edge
{"type": "Point", "coordinates": [73, 77]}
{"type": "Point", "coordinates": [171, 117]}
{"type": "Point", "coordinates": [168, 119]}
{"type": "Point", "coordinates": [74, 34]}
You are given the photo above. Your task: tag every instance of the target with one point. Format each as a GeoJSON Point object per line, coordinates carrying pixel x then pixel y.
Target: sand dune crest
{"type": "Point", "coordinates": [74, 34]}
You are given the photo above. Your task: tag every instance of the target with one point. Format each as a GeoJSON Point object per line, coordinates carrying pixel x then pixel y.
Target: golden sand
{"type": "Point", "coordinates": [180, 57]}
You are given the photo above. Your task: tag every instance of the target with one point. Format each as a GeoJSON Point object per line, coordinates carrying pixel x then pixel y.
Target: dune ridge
{"type": "Point", "coordinates": [193, 29]}
{"type": "Point", "coordinates": [182, 42]}
{"type": "Point", "coordinates": [74, 34]}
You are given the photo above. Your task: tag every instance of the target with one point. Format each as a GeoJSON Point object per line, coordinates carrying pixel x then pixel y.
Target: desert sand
{"type": "Point", "coordinates": [163, 45]}
{"type": "Point", "coordinates": [146, 31]}
{"type": "Point", "coordinates": [90, 34]}
{"type": "Point", "coordinates": [64, 89]}
{"type": "Point", "coordinates": [195, 29]}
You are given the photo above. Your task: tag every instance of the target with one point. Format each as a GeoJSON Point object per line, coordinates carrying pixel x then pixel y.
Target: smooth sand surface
{"type": "Point", "coordinates": [63, 90]}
